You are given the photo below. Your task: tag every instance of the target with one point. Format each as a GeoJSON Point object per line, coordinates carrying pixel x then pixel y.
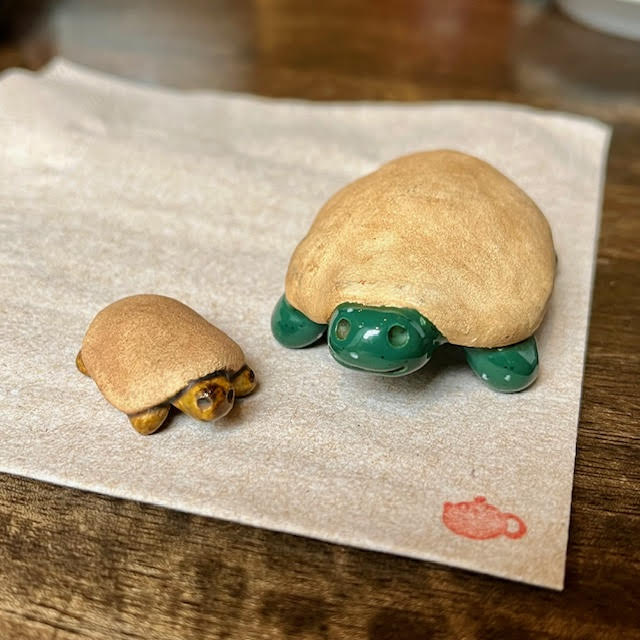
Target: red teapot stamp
{"type": "Point", "coordinates": [480, 520]}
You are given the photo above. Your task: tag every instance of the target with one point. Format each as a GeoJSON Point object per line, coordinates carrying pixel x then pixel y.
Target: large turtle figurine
{"type": "Point", "coordinates": [148, 352]}
{"type": "Point", "coordinates": [432, 247]}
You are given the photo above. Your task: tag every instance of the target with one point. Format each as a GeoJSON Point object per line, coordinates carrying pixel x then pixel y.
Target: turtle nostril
{"type": "Point", "coordinates": [230, 395]}
{"type": "Point", "coordinates": [398, 336]}
{"type": "Point", "coordinates": [342, 329]}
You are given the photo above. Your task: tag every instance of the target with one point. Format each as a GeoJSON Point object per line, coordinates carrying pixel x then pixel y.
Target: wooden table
{"type": "Point", "coordinates": [78, 565]}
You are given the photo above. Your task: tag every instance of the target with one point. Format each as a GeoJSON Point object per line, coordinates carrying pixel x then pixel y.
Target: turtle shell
{"type": "Point", "coordinates": [143, 350]}
{"type": "Point", "coordinates": [441, 232]}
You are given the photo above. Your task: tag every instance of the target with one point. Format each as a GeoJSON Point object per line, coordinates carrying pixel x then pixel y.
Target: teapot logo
{"type": "Point", "coordinates": [480, 520]}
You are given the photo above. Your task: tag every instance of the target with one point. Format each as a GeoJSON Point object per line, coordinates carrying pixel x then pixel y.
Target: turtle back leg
{"type": "Point", "coordinates": [80, 364]}
{"type": "Point", "coordinates": [149, 420]}
{"type": "Point", "coordinates": [292, 329]}
{"type": "Point", "coordinates": [506, 369]}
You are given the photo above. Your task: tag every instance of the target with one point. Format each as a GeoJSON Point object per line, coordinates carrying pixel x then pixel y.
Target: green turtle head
{"type": "Point", "coordinates": [384, 340]}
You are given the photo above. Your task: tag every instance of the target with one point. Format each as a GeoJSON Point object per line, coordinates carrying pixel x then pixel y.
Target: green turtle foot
{"type": "Point", "coordinates": [506, 369]}
{"type": "Point", "coordinates": [292, 329]}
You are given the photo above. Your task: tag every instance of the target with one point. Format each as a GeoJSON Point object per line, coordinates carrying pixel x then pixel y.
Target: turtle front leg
{"type": "Point", "coordinates": [244, 382]}
{"type": "Point", "coordinates": [506, 369]}
{"type": "Point", "coordinates": [292, 329]}
{"type": "Point", "coordinates": [150, 420]}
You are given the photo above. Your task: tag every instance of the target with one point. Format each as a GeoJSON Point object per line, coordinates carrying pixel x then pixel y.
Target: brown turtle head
{"type": "Point", "coordinates": [207, 399]}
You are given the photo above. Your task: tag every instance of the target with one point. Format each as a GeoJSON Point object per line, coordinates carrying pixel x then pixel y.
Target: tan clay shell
{"type": "Point", "coordinates": [144, 349]}
{"type": "Point", "coordinates": [441, 232]}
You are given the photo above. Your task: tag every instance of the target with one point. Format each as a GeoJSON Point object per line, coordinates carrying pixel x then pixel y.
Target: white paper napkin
{"type": "Point", "coordinates": [108, 189]}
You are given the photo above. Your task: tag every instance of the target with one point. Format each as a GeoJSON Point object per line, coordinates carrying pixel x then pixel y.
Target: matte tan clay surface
{"type": "Point", "coordinates": [144, 349]}
{"type": "Point", "coordinates": [441, 232]}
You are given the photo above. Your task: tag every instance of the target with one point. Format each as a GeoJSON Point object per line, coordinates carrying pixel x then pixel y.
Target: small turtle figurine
{"type": "Point", "coordinates": [432, 247]}
{"type": "Point", "coordinates": [148, 352]}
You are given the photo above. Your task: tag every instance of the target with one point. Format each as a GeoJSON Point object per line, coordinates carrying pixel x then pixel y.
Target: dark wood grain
{"type": "Point", "coordinates": [76, 565]}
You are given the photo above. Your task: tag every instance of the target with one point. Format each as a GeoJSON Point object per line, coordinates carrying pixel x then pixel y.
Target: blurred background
{"type": "Point", "coordinates": [523, 51]}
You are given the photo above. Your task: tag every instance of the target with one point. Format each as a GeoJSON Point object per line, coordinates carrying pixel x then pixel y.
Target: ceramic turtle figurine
{"type": "Point", "coordinates": [432, 247]}
{"type": "Point", "coordinates": [148, 352]}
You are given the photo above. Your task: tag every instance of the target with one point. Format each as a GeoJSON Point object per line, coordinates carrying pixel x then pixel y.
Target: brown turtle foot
{"type": "Point", "coordinates": [150, 420]}
{"type": "Point", "coordinates": [80, 364]}
{"type": "Point", "coordinates": [244, 382]}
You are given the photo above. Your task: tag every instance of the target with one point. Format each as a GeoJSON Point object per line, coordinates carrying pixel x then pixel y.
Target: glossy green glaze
{"type": "Point", "coordinates": [383, 340]}
{"type": "Point", "coordinates": [394, 342]}
{"type": "Point", "coordinates": [506, 369]}
{"type": "Point", "coordinates": [293, 329]}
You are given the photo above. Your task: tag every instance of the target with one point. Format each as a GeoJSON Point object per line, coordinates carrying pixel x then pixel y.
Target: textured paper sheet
{"type": "Point", "coordinates": [109, 189]}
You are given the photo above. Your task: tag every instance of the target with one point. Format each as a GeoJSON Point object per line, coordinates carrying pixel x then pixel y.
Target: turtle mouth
{"type": "Point", "coordinates": [398, 371]}
{"type": "Point", "coordinates": [388, 372]}
{"type": "Point", "coordinates": [381, 372]}
{"type": "Point", "coordinates": [222, 410]}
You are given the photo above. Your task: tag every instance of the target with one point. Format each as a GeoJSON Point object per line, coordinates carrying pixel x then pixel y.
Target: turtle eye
{"type": "Point", "coordinates": [204, 403]}
{"type": "Point", "coordinates": [342, 328]}
{"type": "Point", "coordinates": [230, 395]}
{"type": "Point", "coordinates": [398, 336]}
